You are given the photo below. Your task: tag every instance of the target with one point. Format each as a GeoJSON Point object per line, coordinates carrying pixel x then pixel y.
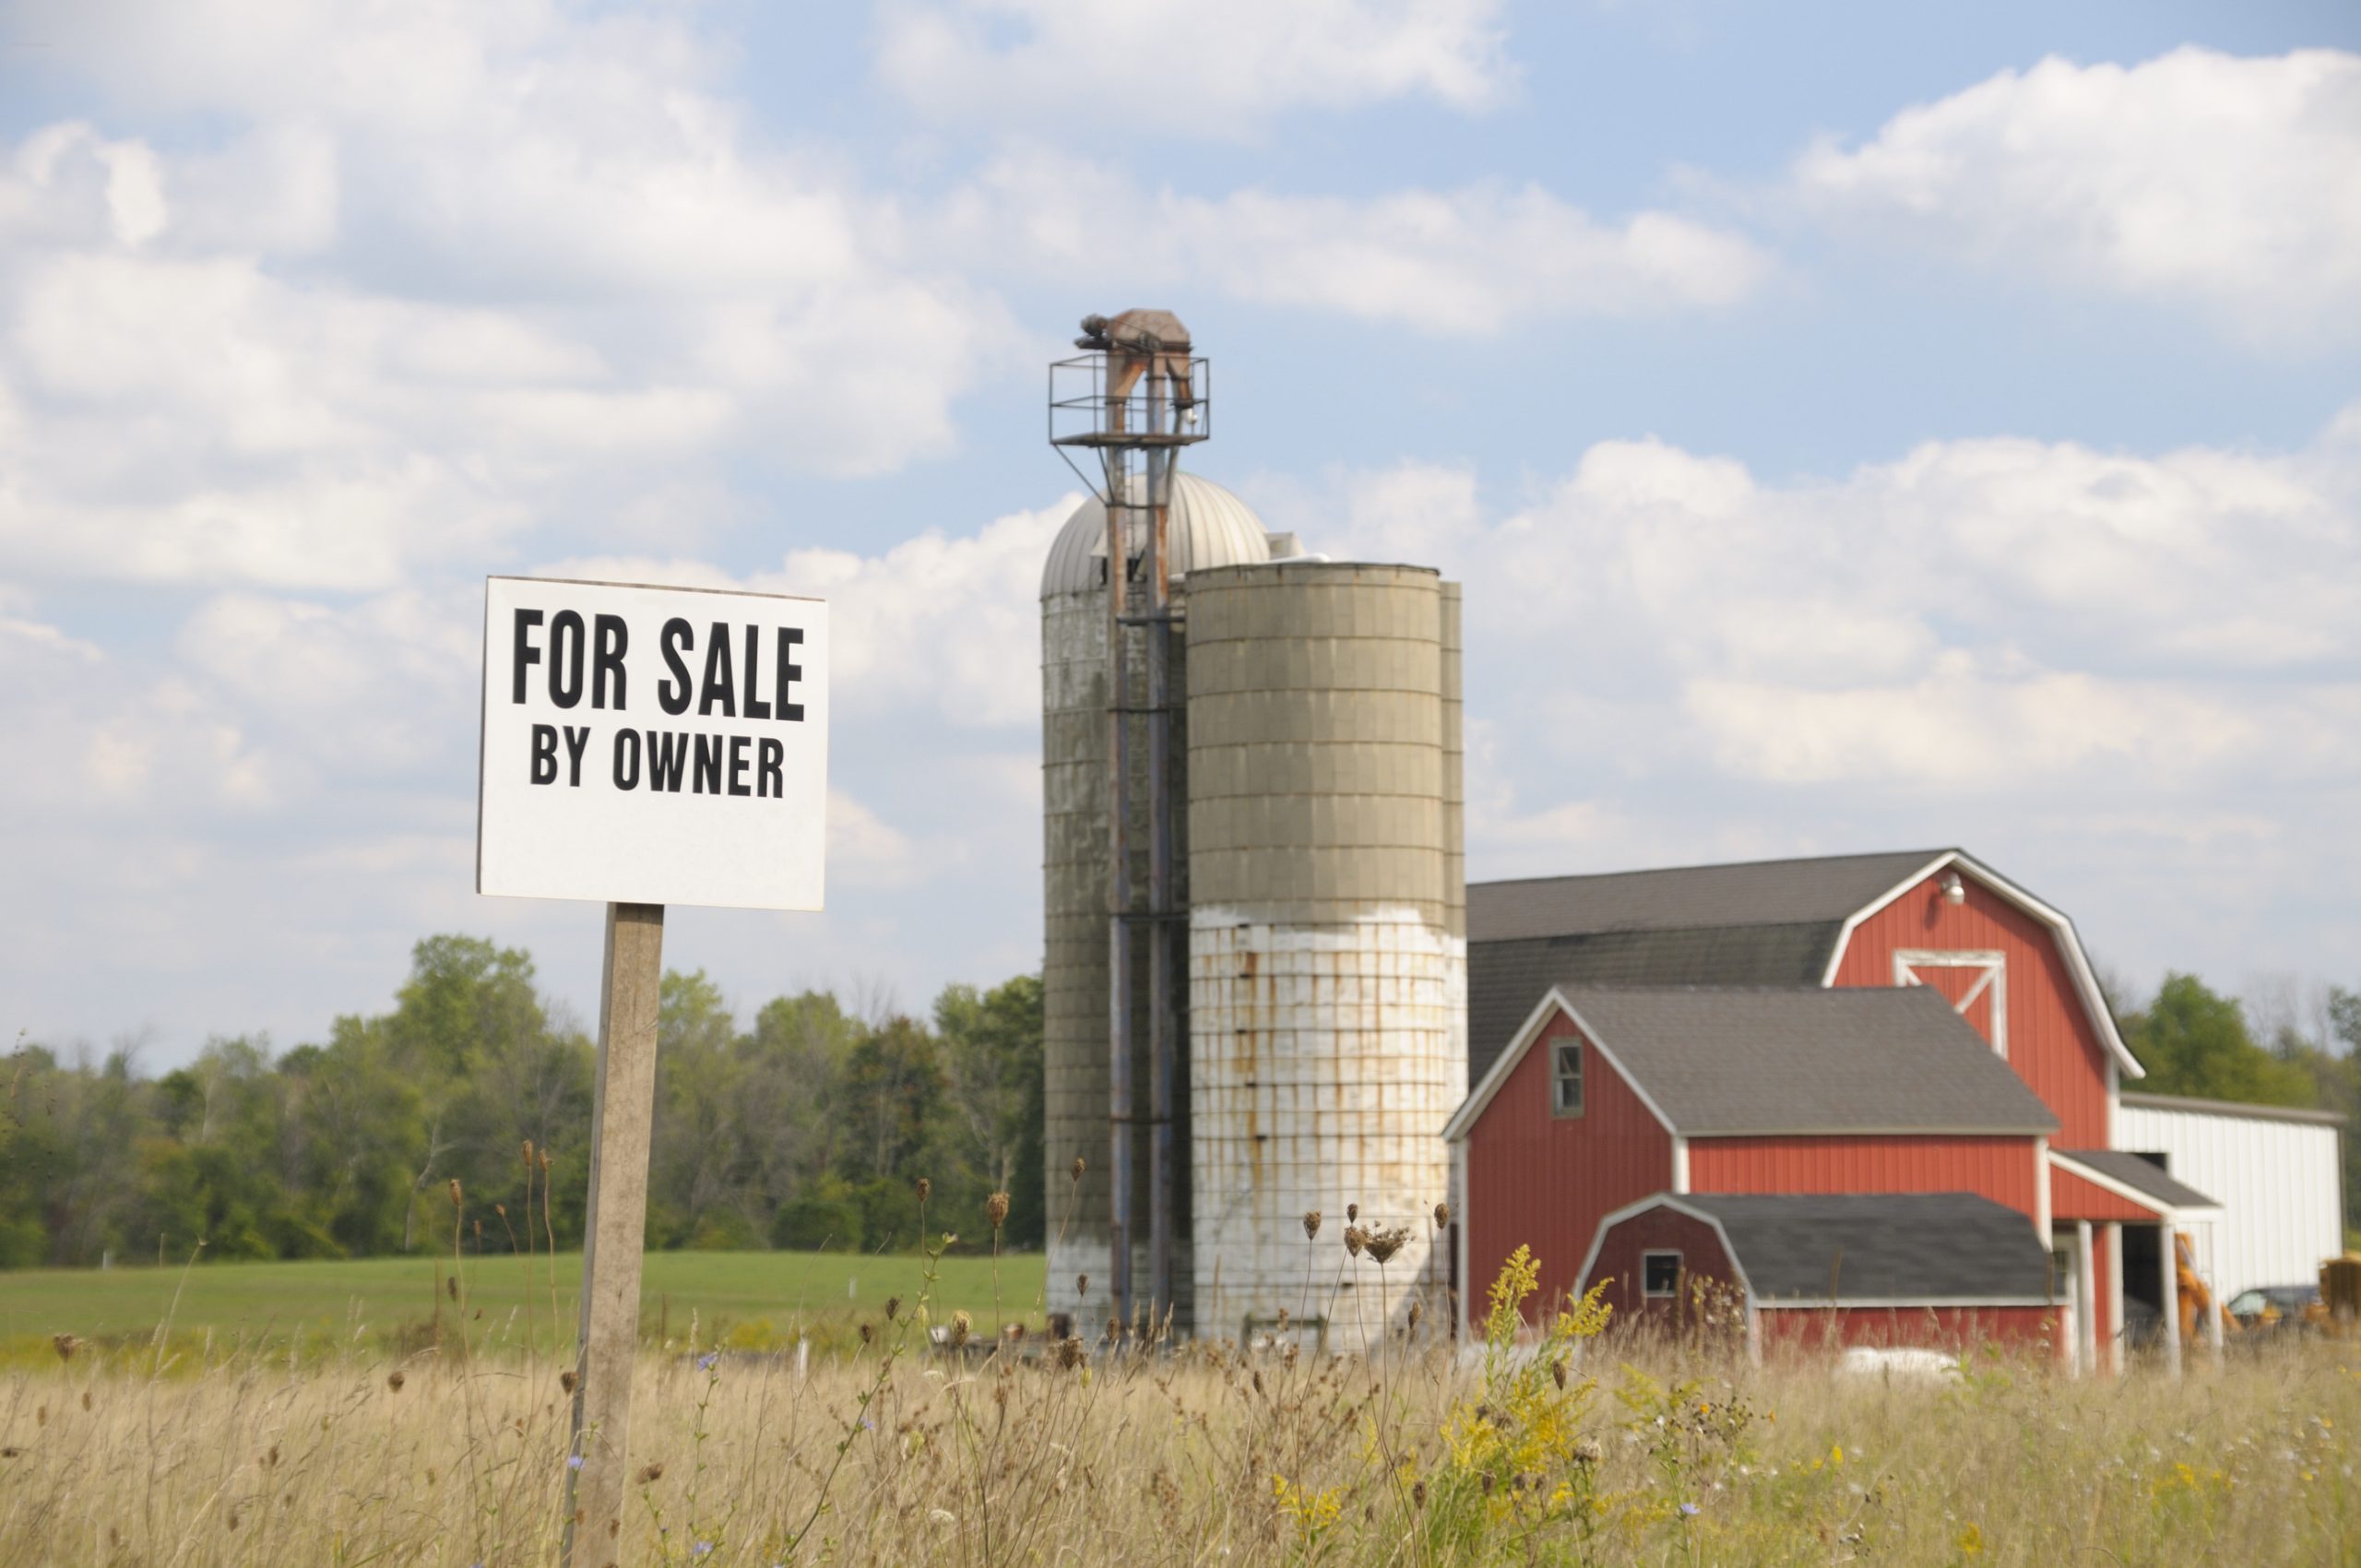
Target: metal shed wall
{"type": "Point", "coordinates": [2277, 1176]}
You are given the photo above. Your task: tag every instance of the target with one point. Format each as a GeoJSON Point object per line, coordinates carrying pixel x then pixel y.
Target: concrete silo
{"type": "Point", "coordinates": [1327, 958]}
{"type": "Point", "coordinates": [1255, 974]}
{"type": "Point", "coordinates": [1208, 527]}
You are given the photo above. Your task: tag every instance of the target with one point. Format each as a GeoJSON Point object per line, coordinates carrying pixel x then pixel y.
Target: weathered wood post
{"type": "Point", "coordinates": [614, 1234]}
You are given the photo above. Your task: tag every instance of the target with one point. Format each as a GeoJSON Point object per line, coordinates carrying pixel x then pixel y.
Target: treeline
{"type": "Point", "coordinates": [806, 1129]}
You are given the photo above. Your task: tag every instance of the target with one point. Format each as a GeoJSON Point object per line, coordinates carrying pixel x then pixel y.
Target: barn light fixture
{"type": "Point", "coordinates": [1954, 890]}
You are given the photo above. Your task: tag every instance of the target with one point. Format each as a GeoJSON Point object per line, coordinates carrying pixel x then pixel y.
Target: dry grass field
{"type": "Point", "coordinates": [1579, 1449]}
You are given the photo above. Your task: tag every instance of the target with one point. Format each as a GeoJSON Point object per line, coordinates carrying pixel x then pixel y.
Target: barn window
{"type": "Point", "coordinates": [1660, 1273]}
{"type": "Point", "coordinates": [1566, 1077]}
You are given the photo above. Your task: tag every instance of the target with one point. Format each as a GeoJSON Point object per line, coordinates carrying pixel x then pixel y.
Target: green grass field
{"type": "Point", "coordinates": [751, 1299]}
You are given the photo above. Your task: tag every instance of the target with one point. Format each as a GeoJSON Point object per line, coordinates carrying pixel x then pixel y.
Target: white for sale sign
{"type": "Point", "coordinates": [653, 745]}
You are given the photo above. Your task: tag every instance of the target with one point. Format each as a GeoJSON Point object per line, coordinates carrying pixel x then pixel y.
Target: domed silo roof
{"type": "Point", "coordinates": [1209, 528]}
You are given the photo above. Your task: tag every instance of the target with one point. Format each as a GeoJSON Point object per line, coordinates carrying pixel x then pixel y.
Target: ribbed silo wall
{"type": "Point", "coordinates": [1327, 979]}
{"type": "Point", "coordinates": [1075, 961]}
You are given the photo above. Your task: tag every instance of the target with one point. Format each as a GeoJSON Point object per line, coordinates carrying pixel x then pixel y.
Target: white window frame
{"type": "Point", "coordinates": [1648, 1255]}
{"type": "Point", "coordinates": [1908, 961]}
{"type": "Point", "coordinates": [1558, 1080]}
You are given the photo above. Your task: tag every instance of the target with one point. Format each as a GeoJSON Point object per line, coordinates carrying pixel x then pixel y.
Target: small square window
{"type": "Point", "coordinates": [1660, 1273]}
{"type": "Point", "coordinates": [1566, 1077]}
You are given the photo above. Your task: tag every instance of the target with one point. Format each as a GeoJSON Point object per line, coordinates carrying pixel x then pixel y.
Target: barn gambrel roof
{"type": "Point", "coordinates": [1757, 923]}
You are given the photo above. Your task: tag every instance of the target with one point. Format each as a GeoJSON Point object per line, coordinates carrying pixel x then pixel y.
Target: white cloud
{"type": "Point", "coordinates": [1472, 260]}
{"type": "Point", "coordinates": [2196, 178]}
{"type": "Point", "coordinates": [1188, 69]}
{"type": "Point", "coordinates": [1973, 620]}
{"type": "Point", "coordinates": [442, 275]}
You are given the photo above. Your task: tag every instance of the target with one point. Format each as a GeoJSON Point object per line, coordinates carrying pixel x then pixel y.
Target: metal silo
{"type": "Point", "coordinates": [1327, 961]}
{"type": "Point", "coordinates": [1208, 527]}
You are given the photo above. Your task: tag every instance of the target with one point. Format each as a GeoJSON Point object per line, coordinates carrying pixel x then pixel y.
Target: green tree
{"type": "Point", "coordinates": [992, 1052]}
{"type": "Point", "coordinates": [2193, 1041]}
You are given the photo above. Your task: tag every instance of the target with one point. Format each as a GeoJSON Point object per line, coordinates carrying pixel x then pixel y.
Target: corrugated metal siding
{"type": "Point", "coordinates": [2003, 1169]}
{"type": "Point", "coordinates": [2071, 1198]}
{"type": "Point", "coordinates": [2052, 1043]}
{"type": "Point", "coordinates": [2277, 1183]}
{"type": "Point", "coordinates": [1538, 1182]}
{"type": "Point", "coordinates": [1934, 1328]}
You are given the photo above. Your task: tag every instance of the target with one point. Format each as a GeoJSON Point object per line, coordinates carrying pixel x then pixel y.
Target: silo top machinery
{"type": "Point", "coordinates": [1290, 745]}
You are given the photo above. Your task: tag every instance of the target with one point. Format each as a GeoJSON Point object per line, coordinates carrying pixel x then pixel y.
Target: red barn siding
{"type": "Point", "coordinates": [1536, 1180]}
{"type": "Point", "coordinates": [2070, 1197]}
{"type": "Point", "coordinates": [1934, 1328]}
{"type": "Point", "coordinates": [1657, 1230]}
{"type": "Point", "coordinates": [2005, 1169]}
{"type": "Point", "coordinates": [2052, 1042]}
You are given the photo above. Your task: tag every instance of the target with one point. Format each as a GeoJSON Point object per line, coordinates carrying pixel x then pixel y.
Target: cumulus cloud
{"type": "Point", "coordinates": [1189, 68]}
{"type": "Point", "coordinates": [1964, 623]}
{"type": "Point", "coordinates": [2232, 184]}
{"type": "Point", "coordinates": [1470, 260]}
{"type": "Point", "coordinates": [442, 275]}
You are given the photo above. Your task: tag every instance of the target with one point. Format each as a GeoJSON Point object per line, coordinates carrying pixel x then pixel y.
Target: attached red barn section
{"type": "Point", "coordinates": [1934, 1270]}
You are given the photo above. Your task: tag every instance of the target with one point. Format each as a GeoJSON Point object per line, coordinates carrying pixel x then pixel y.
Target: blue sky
{"type": "Point", "coordinates": [1857, 427]}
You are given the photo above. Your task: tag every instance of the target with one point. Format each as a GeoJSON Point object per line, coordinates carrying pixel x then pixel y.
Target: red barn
{"type": "Point", "coordinates": [1903, 1115]}
{"type": "Point", "coordinates": [1935, 1269]}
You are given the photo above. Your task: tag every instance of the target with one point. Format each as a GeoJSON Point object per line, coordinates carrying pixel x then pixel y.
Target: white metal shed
{"type": "Point", "coordinates": [2276, 1172]}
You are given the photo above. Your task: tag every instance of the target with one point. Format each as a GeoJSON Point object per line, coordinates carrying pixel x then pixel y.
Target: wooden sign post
{"type": "Point", "coordinates": [623, 1114]}
{"type": "Point", "coordinates": [643, 746]}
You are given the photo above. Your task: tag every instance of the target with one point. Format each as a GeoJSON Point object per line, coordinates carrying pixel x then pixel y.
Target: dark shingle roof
{"type": "Point", "coordinates": [1756, 893]}
{"type": "Point", "coordinates": [2140, 1174]}
{"type": "Point", "coordinates": [1806, 1060]}
{"type": "Point", "coordinates": [1897, 1247]}
{"type": "Point", "coordinates": [1767, 922]}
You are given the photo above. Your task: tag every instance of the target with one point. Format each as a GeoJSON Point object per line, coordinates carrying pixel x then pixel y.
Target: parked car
{"type": "Point", "coordinates": [2277, 1306]}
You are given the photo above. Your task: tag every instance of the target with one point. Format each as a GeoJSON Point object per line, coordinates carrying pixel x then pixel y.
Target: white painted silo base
{"type": "Point", "coordinates": [1323, 1062]}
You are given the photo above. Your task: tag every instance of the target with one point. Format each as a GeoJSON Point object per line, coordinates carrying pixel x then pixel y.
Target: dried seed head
{"type": "Point", "coordinates": [566, 1380]}
{"type": "Point", "coordinates": [1417, 1310]}
{"type": "Point", "coordinates": [528, 1153]}
{"type": "Point", "coordinates": [1352, 1211]}
{"type": "Point", "coordinates": [1443, 1216]}
{"type": "Point", "coordinates": [652, 1472]}
{"type": "Point", "coordinates": [1082, 1286]}
{"type": "Point", "coordinates": [1383, 1244]}
{"type": "Point", "coordinates": [1283, 1320]}
{"type": "Point", "coordinates": [1077, 1167]}
{"type": "Point", "coordinates": [451, 1286]}
{"type": "Point", "coordinates": [66, 1344]}
{"type": "Point", "coordinates": [1072, 1353]}
{"type": "Point", "coordinates": [996, 1209]}
{"type": "Point", "coordinates": [1488, 1484]}
{"type": "Point", "coordinates": [1013, 1332]}
{"type": "Point", "coordinates": [1355, 1240]}
{"type": "Point", "coordinates": [961, 1327]}
{"type": "Point", "coordinates": [500, 1209]}
{"type": "Point", "coordinates": [1312, 1225]}
{"type": "Point", "coordinates": [868, 1333]}
{"type": "Point", "coordinates": [455, 1192]}
{"type": "Point", "coordinates": [393, 1380]}
{"type": "Point", "coordinates": [1558, 1373]}
{"type": "Point", "coordinates": [544, 1157]}
{"type": "Point", "coordinates": [925, 1187]}
{"type": "Point", "coordinates": [893, 1308]}
{"type": "Point", "coordinates": [1417, 1494]}
{"type": "Point", "coordinates": [1588, 1451]}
